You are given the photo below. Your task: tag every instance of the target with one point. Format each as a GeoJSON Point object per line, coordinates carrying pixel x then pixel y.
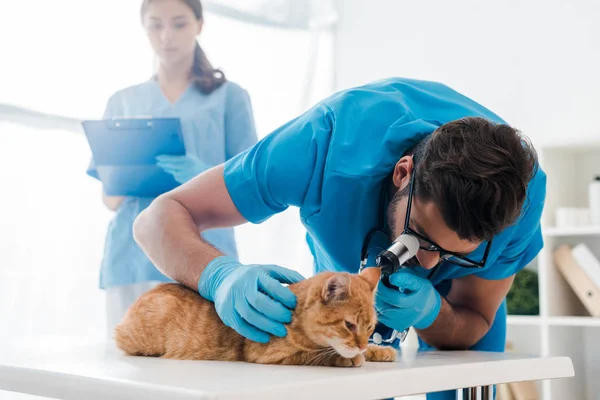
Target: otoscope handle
{"type": "Point", "coordinates": [388, 264]}
{"type": "Point", "coordinates": [385, 279]}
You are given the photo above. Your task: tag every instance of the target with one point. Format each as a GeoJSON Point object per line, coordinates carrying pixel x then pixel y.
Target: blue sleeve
{"type": "Point", "coordinates": [240, 130]}
{"type": "Point", "coordinates": [526, 241]}
{"type": "Point", "coordinates": [283, 168]}
{"type": "Point", "coordinates": [110, 112]}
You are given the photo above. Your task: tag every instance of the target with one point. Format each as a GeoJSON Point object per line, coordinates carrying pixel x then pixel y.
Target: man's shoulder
{"type": "Point", "coordinates": [388, 84]}
{"type": "Point", "coordinates": [375, 124]}
{"type": "Point", "coordinates": [383, 88]}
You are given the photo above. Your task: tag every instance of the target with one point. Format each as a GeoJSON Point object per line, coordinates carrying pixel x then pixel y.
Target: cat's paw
{"type": "Point", "coordinates": [380, 353]}
{"type": "Point", "coordinates": [356, 361]}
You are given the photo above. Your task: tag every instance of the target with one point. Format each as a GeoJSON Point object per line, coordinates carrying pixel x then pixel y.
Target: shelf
{"type": "Point", "coordinates": [565, 327]}
{"type": "Point", "coordinates": [574, 231]}
{"type": "Point", "coordinates": [573, 321]}
{"type": "Point", "coordinates": [568, 144]}
{"type": "Point", "coordinates": [534, 320]}
{"type": "Point", "coordinates": [524, 320]}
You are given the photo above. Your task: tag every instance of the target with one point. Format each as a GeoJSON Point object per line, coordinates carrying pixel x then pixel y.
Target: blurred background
{"type": "Point", "coordinates": [535, 63]}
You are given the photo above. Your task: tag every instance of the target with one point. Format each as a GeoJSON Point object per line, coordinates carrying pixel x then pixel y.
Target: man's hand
{"type": "Point", "coordinates": [250, 298]}
{"type": "Point", "coordinates": [417, 304]}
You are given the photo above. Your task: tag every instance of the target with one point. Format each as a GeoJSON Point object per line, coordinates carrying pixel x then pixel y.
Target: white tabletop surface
{"type": "Point", "coordinates": [71, 370]}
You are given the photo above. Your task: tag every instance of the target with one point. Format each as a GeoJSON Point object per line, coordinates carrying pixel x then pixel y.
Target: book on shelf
{"type": "Point", "coordinates": [503, 392]}
{"type": "Point", "coordinates": [579, 281]}
{"type": "Point", "coordinates": [525, 390]}
{"type": "Point", "coordinates": [517, 391]}
{"type": "Point", "coordinates": [588, 262]}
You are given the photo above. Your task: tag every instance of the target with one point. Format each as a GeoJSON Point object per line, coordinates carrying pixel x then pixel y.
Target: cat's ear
{"type": "Point", "coordinates": [371, 275]}
{"type": "Point", "coordinates": [336, 288]}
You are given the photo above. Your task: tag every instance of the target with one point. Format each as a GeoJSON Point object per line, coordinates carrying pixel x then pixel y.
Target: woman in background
{"type": "Point", "coordinates": [217, 123]}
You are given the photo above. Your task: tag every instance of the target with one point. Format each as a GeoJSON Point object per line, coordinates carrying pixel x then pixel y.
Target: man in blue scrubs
{"type": "Point", "coordinates": [351, 164]}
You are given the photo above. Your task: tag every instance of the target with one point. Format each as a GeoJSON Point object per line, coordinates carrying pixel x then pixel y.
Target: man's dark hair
{"type": "Point", "coordinates": [477, 172]}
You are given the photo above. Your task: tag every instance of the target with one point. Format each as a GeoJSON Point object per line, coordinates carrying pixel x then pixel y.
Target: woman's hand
{"type": "Point", "coordinates": [112, 202]}
{"type": "Point", "coordinates": [183, 168]}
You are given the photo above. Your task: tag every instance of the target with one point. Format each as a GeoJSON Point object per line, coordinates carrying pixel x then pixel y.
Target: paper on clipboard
{"type": "Point", "coordinates": [124, 154]}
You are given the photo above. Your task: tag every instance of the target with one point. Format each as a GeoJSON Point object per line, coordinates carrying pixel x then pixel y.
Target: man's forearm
{"type": "Point", "coordinates": [168, 235]}
{"type": "Point", "coordinates": [455, 328]}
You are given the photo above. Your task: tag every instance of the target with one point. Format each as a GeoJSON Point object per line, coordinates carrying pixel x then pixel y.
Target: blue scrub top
{"type": "Point", "coordinates": [332, 161]}
{"type": "Point", "coordinates": [215, 128]}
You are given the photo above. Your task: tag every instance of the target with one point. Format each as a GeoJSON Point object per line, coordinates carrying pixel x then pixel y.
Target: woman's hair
{"type": "Point", "coordinates": [206, 78]}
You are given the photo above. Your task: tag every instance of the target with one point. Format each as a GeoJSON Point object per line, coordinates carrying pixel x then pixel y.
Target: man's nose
{"type": "Point", "coordinates": [428, 259]}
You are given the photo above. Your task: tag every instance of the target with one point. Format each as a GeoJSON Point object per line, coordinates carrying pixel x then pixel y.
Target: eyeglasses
{"type": "Point", "coordinates": [429, 245]}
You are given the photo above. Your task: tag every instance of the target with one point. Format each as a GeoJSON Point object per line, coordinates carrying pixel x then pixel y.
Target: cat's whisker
{"type": "Point", "coordinates": [314, 360]}
{"type": "Point", "coordinates": [321, 355]}
{"type": "Point", "coordinates": [325, 356]}
{"type": "Point", "coordinates": [331, 352]}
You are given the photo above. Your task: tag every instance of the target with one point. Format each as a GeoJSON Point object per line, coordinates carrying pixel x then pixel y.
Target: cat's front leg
{"type": "Point", "coordinates": [323, 360]}
{"type": "Point", "coordinates": [380, 353]}
{"type": "Point", "coordinates": [356, 361]}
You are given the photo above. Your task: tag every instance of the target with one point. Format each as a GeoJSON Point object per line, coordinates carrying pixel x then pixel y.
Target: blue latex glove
{"type": "Point", "coordinates": [183, 168]}
{"type": "Point", "coordinates": [250, 298]}
{"type": "Point", "coordinates": [418, 304]}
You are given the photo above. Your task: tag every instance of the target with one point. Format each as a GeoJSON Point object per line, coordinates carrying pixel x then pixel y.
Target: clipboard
{"type": "Point", "coordinates": [124, 154]}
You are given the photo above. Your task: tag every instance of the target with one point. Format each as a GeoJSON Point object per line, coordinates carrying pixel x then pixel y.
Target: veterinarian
{"type": "Point", "coordinates": [217, 123]}
{"type": "Point", "coordinates": [350, 164]}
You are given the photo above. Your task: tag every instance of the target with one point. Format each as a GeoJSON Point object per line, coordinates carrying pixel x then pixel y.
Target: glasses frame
{"type": "Point", "coordinates": [444, 254]}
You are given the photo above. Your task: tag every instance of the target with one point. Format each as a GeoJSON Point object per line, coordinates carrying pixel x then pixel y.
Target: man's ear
{"type": "Point", "coordinates": [402, 172]}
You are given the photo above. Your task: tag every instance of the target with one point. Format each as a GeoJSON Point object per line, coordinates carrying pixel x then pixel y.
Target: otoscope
{"type": "Point", "coordinates": [391, 260]}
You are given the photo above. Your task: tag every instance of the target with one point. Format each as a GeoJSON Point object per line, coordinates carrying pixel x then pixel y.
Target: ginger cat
{"type": "Point", "coordinates": [331, 325]}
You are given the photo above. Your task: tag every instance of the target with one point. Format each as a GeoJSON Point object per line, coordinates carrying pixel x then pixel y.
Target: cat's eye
{"type": "Point", "coordinates": [350, 326]}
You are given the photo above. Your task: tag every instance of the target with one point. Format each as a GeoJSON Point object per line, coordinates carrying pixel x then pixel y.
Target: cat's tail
{"type": "Point", "coordinates": [142, 330]}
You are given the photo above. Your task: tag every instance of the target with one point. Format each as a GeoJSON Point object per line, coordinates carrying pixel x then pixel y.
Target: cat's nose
{"type": "Point", "coordinates": [363, 348]}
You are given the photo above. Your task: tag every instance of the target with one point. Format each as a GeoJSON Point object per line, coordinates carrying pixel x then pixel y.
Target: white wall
{"type": "Point", "coordinates": [52, 220]}
{"type": "Point", "coordinates": [536, 63]}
